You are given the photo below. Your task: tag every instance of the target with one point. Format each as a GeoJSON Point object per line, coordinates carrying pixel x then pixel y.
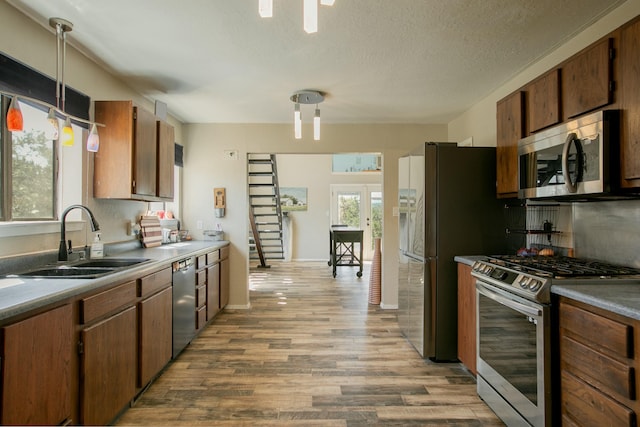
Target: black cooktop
{"type": "Point", "coordinates": [562, 267]}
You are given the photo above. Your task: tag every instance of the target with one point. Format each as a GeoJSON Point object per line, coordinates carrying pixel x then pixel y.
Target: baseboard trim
{"type": "Point", "coordinates": [388, 306]}
{"type": "Point", "coordinates": [238, 307]}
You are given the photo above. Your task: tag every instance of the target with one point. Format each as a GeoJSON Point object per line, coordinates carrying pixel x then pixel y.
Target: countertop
{"type": "Point", "coordinates": [469, 259]}
{"type": "Point", "coordinates": [623, 299]}
{"type": "Point", "coordinates": [20, 295]}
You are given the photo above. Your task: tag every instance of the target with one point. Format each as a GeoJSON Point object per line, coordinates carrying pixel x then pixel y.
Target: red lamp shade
{"type": "Point", "coordinates": [14, 116]}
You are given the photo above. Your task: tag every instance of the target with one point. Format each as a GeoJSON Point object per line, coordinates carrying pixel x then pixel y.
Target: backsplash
{"type": "Point", "coordinates": [608, 231]}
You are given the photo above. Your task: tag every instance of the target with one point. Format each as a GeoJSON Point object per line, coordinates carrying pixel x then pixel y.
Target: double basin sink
{"type": "Point", "coordinates": [87, 269]}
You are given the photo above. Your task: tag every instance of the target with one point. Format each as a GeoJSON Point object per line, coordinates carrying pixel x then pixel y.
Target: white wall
{"type": "Point", "coordinates": [206, 167]}
{"type": "Point", "coordinates": [313, 171]}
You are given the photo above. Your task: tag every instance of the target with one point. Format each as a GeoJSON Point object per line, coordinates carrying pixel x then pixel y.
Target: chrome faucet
{"type": "Point", "coordinates": [63, 252]}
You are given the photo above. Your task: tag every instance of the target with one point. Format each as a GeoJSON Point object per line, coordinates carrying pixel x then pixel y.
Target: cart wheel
{"type": "Point", "coordinates": [359, 274]}
{"type": "Point", "coordinates": [329, 263]}
{"type": "Point", "coordinates": [334, 275]}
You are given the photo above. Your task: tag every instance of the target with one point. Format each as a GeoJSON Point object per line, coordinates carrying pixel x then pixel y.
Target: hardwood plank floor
{"type": "Point", "coordinates": [311, 351]}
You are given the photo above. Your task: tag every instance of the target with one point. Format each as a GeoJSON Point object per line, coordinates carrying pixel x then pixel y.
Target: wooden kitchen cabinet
{"type": "Point", "coordinates": [213, 290]}
{"type": "Point", "coordinates": [224, 277]}
{"type": "Point", "coordinates": [108, 344]}
{"type": "Point", "coordinates": [154, 324]}
{"type": "Point", "coordinates": [598, 366]}
{"type": "Point", "coordinates": [136, 156]}
{"type": "Point", "coordinates": [543, 101]}
{"type": "Point", "coordinates": [166, 159]}
{"type": "Point", "coordinates": [36, 369]}
{"type": "Point", "coordinates": [467, 317]}
{"type": "Point", "coordinates": [630, 90]}
{"type": "Point", "coordinates": [587, 81]}
{"type": "Point", "coordinates": [510, 129]}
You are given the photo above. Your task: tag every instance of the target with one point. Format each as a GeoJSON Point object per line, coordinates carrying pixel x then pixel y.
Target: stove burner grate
{"type": "Point", "coordinates": [559, 267]}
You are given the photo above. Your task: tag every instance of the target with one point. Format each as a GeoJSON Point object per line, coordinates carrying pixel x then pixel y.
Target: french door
{"type": "Point", "coordinates": [359, 206]}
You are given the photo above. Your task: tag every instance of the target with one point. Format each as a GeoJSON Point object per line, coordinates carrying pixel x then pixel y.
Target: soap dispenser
{"type": "Point", "coordinates": [97, 247]}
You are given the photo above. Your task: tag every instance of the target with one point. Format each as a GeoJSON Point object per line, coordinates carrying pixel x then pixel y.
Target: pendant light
{"type": "Point", "coordinates": [15, 122]}
{"type": "Point", "coordinates": [67, 138]}
{"type": "Point", "coordinates": [310, 19]}
{"type": "Point", "coordinates": [265, 8]}
{"type": "Point", "coordinates": [306, 97]}
{"type": "Point", "coordinates": [54, 129]}
{"type": "Point", "coordinates": [310, 12]}
{"type": "Point", "coordinates": [316, 124]}
{"type": "Point", "coordinates": [93, 141]}
{"type": "Point", "coordinates": [14, 118]}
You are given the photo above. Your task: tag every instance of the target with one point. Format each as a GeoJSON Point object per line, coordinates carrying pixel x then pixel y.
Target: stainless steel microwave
{"type": "Point", "coordinates": [578, 159]}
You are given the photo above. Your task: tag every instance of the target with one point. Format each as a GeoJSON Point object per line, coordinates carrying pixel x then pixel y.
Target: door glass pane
{"type": "Point", "coordinates": [349, 208]}
{"type": "Point", "coordinates": [376, 215]}
{"type": "Point", "coordinates": [33, 160]}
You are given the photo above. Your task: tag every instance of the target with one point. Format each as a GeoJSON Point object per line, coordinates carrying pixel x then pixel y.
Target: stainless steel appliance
{"type": "Point", "coordinates": [184, 303]}
{"type": "Point", "coordinates": [577, 159]}
{"type": "Point", "coordinates": [513, 329]}
{"type": "Point", "coordinates": [447, 207]}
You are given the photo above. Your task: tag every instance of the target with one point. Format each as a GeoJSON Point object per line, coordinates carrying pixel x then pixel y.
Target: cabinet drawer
{"type": "Point", "coordinates": [201, 278]}
{"type": "Point", "coordinates": [224, 252]}
{"type": "Point", "coordinates": [201, 262]}
{"type": "Point", "coordinates": [598, 331]}
{"type": "Point", "coordinates": [100, 304]}
{"type": "Point", "coordinates": [605, 373]}
{"type": "Point", "coordinates": [201, 296]}
{"type": "Point", "coordinates": [152, 283]}
{"type": "Point", "coordinates": [213, 257]}
{"type": "Point", "coordinates": [201, 317]}
{"type": "Point", "coordinates": [587, 407]}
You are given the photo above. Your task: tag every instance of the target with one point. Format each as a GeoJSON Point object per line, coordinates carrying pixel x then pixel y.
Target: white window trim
{"type": "Point", "coordinates": [30, 228]}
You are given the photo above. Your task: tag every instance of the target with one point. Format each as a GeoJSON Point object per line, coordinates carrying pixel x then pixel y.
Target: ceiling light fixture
{"type": "Point", "coordinates": [265, 8]}
{"type": "Point", "coordinates": [306, 97]}
{"type": "Point", "coordinates": [14, 115]}
{"type": "Point", "coordinates": [310, 12]}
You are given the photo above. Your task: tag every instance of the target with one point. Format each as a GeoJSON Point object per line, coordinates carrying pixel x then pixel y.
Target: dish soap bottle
{"type": "Point", "coordinates": [97, 247]}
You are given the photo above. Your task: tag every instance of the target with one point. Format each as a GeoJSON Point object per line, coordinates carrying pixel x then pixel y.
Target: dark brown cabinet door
{"type": "Point", "coordinates": [466, 317]}
{"type": "Point", "coordinates": [108, 367]}
{"type": "Point", "coordinates": [587, 79]}
{"type": "Point", "coordinates": [213, 291]}
{"type": "Point", "coordinates": [630, 93]}
{"type": "Point", "coordinates": [36, 369]}
{"type": "Point", "coordinates": [145, 152]}
{"type": "Point", "coordinates": [166, 160]}
{"type": "Point", "coordinates": [155, 335]}
{"type": "Point", "coordinates": [224, 282]}
{"type": "Point", "coordinates": [510, 111]}
{"type": "Point", "coordinates": [544, 101]}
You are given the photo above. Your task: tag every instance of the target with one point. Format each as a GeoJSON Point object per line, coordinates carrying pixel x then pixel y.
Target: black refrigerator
{"type": "Point", "coordinates": [447, 207]}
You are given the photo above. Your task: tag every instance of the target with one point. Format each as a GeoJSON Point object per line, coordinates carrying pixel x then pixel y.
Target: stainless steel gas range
{"type": "Point", "coordinates": [513, 334]}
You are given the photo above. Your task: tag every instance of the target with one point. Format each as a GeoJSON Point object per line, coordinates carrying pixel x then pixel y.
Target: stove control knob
{"type": "Point", "coordinates": [501, 275]}
{"type": "Point", "coordinates": [535, 285]}
{"type": "Point", "coordinates": [524, 282]}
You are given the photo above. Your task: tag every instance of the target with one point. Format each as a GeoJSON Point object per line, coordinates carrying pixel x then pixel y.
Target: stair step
{"type": "Point", "coordinates": [260, 161]}
{"type": "Point", "coordinates": [260, 173]}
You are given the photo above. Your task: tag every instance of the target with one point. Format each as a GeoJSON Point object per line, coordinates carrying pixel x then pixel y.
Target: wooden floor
{"type": "Point", "coordinates": [311, 351]}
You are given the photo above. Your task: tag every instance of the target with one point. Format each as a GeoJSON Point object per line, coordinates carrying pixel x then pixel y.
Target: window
{"type": "Point", "coordinates": [31, 168]}
{"type": "Point", "coordinates": [353, 163]}
{"type": "Point", "coordinates": [29, 171]}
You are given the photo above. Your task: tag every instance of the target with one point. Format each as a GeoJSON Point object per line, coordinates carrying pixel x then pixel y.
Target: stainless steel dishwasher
{"type": "Point", "coordinates": [184, 296]}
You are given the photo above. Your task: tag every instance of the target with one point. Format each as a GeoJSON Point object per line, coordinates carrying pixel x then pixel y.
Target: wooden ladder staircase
{"type": "Point", "coordinates": [265, 213]}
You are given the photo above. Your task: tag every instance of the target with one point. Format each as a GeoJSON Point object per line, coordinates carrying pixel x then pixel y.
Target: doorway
{"type": "Point", "coordinates": [359, 206]}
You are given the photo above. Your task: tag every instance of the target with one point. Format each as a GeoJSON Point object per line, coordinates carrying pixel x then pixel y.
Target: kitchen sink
{"type": "Point", "coordinates": [111, 262]}
{"type": "Point", "coordinates": [89, 269]}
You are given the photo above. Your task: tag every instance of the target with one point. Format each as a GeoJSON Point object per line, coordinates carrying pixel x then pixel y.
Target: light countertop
{"type": "Point", "coordinates": [623, 299]}
{"type": "Point", "coordinates": [20, 295]}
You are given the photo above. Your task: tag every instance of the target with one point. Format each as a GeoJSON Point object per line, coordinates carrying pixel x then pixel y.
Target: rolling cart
{"type": "Point", "coordinates": [345, 247]}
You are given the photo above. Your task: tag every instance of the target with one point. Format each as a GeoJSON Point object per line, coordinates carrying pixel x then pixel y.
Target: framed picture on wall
{"type": "Point", "coordinates": [293, 199]}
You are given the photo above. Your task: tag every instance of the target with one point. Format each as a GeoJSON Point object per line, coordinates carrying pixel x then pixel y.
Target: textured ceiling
{"type": "Point", "coordinates": [379, 61]}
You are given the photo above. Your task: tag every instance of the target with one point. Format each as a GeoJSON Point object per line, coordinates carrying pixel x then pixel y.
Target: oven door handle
{"type": "Point", "coordinates": [508, 302]}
